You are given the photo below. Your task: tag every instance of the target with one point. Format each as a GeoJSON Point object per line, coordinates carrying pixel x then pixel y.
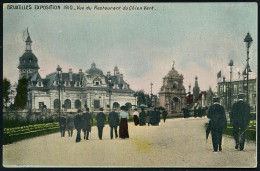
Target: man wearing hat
{"type": "Point", "coordinates": [101, 118]}
{"type": "Point", "coordinates": [149, 116]}
{"type": "Point", "coordinates": [218, 122]}
{"type": "Point", "coordinates": [62, 125]}
{"type": "Point", "coordinates": [87, 120]}
{"type": "Point", "coordinates": [78, 124]}
{"type": "Point", "coordinates": [113, 120]}
{"type": "Point", "coordinates": [142, 116]}
{"type": "Point", "coordinates": [240, 117]}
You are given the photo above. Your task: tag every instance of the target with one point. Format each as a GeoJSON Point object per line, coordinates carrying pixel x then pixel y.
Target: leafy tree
{"type": "Point", "coordinates": [6, 91]}
{"type": "Point", "coordinates": [142, 98]}
{"type": "Point", "coordinates": [21, 96]}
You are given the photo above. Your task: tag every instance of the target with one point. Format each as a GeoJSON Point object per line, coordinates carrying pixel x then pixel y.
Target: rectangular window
{"type": "Point", "coordinates": [40, 84]}
{"type": "Point", "coordinates": [41, 104]}
{"type": "Point", "coordinates": [96, 104]}
{"type": "Point", "coordinates": [235, 88]}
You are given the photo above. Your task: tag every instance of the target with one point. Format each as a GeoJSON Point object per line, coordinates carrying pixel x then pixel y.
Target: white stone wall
{"type": "Point", "coordinates": [84, 97]}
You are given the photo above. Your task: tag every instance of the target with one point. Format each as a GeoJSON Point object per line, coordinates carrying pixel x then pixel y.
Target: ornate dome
{"type": "Point", "coordinates": [173, 74]}
{"type": "Point", "coordinates": [28, 61]}
{"type": "Point", "coordinates": [93, 70]}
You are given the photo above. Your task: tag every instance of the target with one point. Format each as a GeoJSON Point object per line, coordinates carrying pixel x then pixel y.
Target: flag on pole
{"type": "Point", "coordinates": [219, 74]}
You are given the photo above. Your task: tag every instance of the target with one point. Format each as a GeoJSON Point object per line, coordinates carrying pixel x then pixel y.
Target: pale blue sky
{"type": "Point", "coordinates": [200, 37]}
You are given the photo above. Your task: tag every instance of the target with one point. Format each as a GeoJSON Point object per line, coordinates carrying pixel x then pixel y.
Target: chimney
{"type": "Point", "coordinates": [70, 74]}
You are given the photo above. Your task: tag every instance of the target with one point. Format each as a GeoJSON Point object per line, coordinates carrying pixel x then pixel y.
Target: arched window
{"type": "Point", "coordinates": [67, 104]}
{"type": "Point", "coordinates": [77, 104]}
{"type": "Point", "coordinates": [56, 104]}
{"type": "Point", "coordinates": [116, 105]}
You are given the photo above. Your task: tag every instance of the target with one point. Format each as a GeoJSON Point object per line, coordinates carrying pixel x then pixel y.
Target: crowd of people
{"type": "Point", "coordinates": [239, 117]}
{"type": "Point", "coordinates": [84, 121]}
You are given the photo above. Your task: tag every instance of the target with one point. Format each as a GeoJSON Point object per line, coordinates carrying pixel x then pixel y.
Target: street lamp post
{"type": "Point", "coordinates": [151, 94]}
{"type": "Point", "coordinates": [248, 39]}
{"type": "Point", "coordinates": [231, 64]}
{"type": "Point", "coordinates": [109, 92]}
{"type": "Point", "coordinates": [59, 86]}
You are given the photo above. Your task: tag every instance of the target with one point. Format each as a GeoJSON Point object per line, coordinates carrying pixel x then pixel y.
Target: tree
{"type": "Point", "coordinates": [6, 91]}
{"type": "Point", "coordinates": [21, 96]}
{"type": "Point", "coordinates": [142, 98]}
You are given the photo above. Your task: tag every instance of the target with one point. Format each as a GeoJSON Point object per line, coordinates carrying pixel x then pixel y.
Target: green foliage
{"type": "Point", "coordinates": [250, 132]}
{"type": "Point", "coordinates": [6, 91]}
{"type": "Point", "coordinates": [142, 98]}
{"type": "Point", "coordinates": [21, 96]}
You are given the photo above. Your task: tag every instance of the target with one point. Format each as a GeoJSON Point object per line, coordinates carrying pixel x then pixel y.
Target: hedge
{"type": "Point", "coordinates": [250, 132]}
{"type": "Point", "coordinates": [11, 135]}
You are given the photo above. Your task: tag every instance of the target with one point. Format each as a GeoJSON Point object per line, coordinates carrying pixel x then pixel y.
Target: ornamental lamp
{"type": "Point", "coordinates": [248, 39]}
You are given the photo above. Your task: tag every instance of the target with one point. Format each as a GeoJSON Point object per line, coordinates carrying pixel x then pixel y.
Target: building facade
{"type": "Point", "coordinates": [199, 98]}
{"type": "Point", "coordinates": [228, 92]}
{"type": "Point", "coordinates": [72, 91]}
{"type": "Point", "coordinates": [172, 95]}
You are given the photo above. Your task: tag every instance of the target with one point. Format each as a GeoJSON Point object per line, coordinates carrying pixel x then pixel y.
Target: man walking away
{"type": "Point", "coordinates": [142, 116]}
{"type": "Point", "coordinates": [240, 117]}
{"type": "Point", "coordinates": [70, 124]}
{"type": "Point", "coordinates": [164, 113]}
{"type": "Point", "coordinates": [62, 125]}
{"type": "Point", "coordinates": [87, 120]}
{"type": "Point", "coordinates": [113, 120]}
{"type": "Point", "coordinates": [218, 122]}
{"type": "Point", "coordinates": [78, 125]}
{"type": "Point", "coordinates": [101, 118]}
{"type": "Point", "coordinates": [149, 116]}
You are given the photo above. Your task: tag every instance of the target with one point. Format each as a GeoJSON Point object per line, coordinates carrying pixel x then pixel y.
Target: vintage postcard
{"type": "Point", "coordinates": [160, 85]}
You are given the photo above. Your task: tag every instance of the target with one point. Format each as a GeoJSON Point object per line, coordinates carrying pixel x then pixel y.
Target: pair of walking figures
{"type": "Point", "coordinates": [239, 117]}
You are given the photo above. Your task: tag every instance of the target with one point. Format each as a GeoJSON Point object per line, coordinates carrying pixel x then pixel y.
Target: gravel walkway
{"type": "Point", "coordinates": [176, 143]}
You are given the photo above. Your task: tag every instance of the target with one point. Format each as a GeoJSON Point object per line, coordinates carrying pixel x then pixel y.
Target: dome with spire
{"type": "Point", "coordinates": [28, 61]}
{"type": "Point", "coordinates": [173, 73]}
{"type": "Point", "coordinates": [94, 70]}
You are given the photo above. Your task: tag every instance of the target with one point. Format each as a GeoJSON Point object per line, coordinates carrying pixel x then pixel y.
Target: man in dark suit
{"type": "Point", "coordinates": [87, 120]}
{"type": "Point", "coordinates": [62, 125]}
{"type": "Point", "coordinates": [142, 116]}
{"type": "Point", "coordinates": [113, 120]}
{"type": "Point", "coordinates": [164, 114]}
{"type": "Point", "coordinates": [101, 118]}
{"type": "Point", "coordinates": [78, 125]}
{"type": "Point", "coordinates": [240, 117]}
{"type": "Point", "coordinates": [218, 122]}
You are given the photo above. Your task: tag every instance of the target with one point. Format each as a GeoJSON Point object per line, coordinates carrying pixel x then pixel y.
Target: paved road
{"type": "Point", "coordinates": [176, 143]}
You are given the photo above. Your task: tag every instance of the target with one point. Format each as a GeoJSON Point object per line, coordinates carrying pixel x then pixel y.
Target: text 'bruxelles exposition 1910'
{"type": "Point", "coordinates": [75, 7]}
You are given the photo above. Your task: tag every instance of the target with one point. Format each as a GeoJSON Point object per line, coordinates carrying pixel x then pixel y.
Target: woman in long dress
{"type": "Point", "coordinates": [123, 127]}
